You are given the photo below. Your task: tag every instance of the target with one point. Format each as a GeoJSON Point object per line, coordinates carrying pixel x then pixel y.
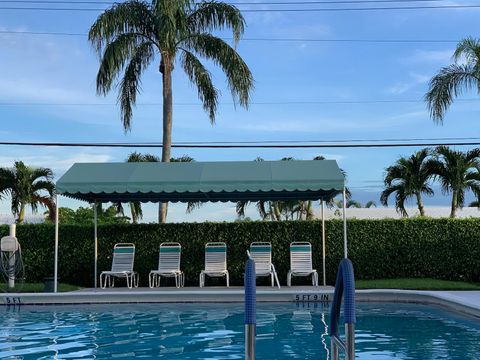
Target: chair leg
{"type": "Point", "coordinates": [228, 279]}
{"type": "Point", "coordinates": [273, 279]}
{"type": "Point", "coordinates": [202, 280]}
{"type": "Point", "coordinates": [289, 279]}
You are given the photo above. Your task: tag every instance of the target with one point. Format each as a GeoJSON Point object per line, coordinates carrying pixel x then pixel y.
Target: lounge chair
{"type": "Point", "coordinates": [301, 262]}
{"type": "Point", "coordinates": [215, 262]}
{"type": "Point", "coordinates": [261, 253]}
{"type": "Point", "coordinates": [168, 265]}
{"type": "Point", "coordinates": [122, 267]}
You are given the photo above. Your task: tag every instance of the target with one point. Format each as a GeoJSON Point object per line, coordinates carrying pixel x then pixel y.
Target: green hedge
{"type": "Point", "coordinates": [437, 248]}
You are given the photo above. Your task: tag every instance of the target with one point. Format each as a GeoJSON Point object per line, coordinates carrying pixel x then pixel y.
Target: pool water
{"type": "Point", "coordinates": [215, 331]}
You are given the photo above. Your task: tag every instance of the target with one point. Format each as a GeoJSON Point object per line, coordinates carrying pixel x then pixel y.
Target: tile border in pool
{"type": "Point", "coordinates": [467, 302]}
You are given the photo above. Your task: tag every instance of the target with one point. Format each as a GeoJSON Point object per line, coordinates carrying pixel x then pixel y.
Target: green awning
{"type": "Point", "coordinates": [203, 181]}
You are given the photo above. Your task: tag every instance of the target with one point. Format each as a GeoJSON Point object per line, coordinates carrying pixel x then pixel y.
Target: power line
{"type": "Point", "coordinates": [236, 146]}
{"type": "Point", "coordinates": [13, 32]}
{"type": "Point", "coordinates": [286, 102]}
{"type": "Point", "coordinates": [433, 7]}
{"type": "Point", "coordinates": [311, 2]}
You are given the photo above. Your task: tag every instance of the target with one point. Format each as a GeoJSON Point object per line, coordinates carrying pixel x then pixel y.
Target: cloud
{"type": "Point", "coordinates": [430, 56]}
{"type": "Point", "coordinates": [404, 86]}
{"type": "Point", "coordinates": [53, 159]}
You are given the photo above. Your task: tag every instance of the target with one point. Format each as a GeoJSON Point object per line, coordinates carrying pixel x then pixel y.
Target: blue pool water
{"type": "Point", "coordinates": [187, 331]}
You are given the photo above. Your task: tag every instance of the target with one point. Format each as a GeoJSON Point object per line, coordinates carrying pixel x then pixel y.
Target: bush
{"type": "Point", "coordinates": [380, 249]}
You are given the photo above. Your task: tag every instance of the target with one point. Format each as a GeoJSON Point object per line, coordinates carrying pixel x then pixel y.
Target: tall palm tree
{"type": "Point", "coordinates": [452, 80]}
{"type": "Point", "coordinates": [129, 36]}
{"type": "Point", "coordinates": [457, 172]}
{"type": "Point", "coordinates": [28, 186]}
{"type": "Point", "coordinates": [408, 177]}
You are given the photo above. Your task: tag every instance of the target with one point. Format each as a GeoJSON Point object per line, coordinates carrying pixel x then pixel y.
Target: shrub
{"type": "Point", "coordinates": [437, 248]}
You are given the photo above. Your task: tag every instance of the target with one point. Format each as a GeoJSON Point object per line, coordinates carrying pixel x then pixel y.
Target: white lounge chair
{"type": "Point", "coordinates": [122, 267]}
{"type": "Point", "coordinates": [261, 253]}
{"type": "Point", "coordinates": [301, 262]}
{"type": "Point", "coordinates": [215, 262]}
{"type": "Point", "coordinates": [168, 265]}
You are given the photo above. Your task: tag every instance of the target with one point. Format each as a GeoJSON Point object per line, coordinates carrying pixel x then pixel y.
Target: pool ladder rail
{"type": "Point", "coordinates": [344, 287]}
{"type": "Point", "coordinates": [250, 308]}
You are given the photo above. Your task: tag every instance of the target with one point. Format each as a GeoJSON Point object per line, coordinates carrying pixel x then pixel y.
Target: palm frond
{"type": "Point", "coordinates": [202, 79]}
{"type": "Point", "coordinates": [131, 17]}
{"type": "Point", "coordinates": [448, 84]}
{"type": "Point", "coordinates": [130, 84]}
{"type": "Point", "coordinates": [469, 49]}
{"type": "Point", "coordinates": [239, 77]}
{"type": "Point", "coordinates": [117, 53]}
{"type": "Point", "coordinates": [211, 15]}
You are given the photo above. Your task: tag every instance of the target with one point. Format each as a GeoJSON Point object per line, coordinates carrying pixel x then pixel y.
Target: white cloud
{"type": "Point", "coordinates": [430, 56]}
{"type": "Point", "coordinates": [404, 86]}
{"type": "Point", "coordinates": [53, 159]}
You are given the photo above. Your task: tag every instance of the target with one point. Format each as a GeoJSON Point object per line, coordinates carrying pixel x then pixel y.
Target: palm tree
{"type": "Point", "coordinates": [135, 206]}
{"type": "Point", "coordinates": [129, 36]}
{"type": "Point", "coordinates": [353, 204]}
{"type": "Point", "coordinates": [475, 203]}
{"type": "Point", "coordinates": [370, 204]}
{"type": "Point", "coordinates": [457, 172]}
{"type": "Point", "coordinates": [28, 186]}
{"type": "Point", "coordinates": [452, 80]}
{"type": "Point", "coordinates": [408, 177]}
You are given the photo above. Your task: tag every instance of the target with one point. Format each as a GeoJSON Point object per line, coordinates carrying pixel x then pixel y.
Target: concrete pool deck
{"type": "Point", "coordinates": [467, 302]}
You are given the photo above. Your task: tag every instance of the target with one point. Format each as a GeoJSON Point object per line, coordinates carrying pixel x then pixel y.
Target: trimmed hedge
{"type": "Point", "coordinates": [380, 249]}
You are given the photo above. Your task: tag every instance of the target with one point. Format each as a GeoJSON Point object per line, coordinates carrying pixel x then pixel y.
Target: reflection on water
{"type": "Point", "coordinates": [201, 331]}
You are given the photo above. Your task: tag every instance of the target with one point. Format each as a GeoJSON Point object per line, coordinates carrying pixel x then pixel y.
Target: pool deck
{"type": "Point", "coordinates": [467, 302]}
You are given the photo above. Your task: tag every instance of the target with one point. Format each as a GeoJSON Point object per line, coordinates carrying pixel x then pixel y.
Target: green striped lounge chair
{"type": "Point", "coordinates": [122, 267]}
{"type": "Point", "coordinates": [215, 262]}
{"type": "Point", "coordinates": [261, 253]}
{"type": "Point", "coordinates": [168, 265]}
{"type": "Point", "coordinates": [301, 262]}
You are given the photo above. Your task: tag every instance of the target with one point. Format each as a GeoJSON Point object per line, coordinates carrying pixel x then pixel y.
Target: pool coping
{"type": "Point", "coordinates": [466, 302]}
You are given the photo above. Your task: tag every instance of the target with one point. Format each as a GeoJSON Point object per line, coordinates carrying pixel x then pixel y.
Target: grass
{"type": "Point", "coordinates": [35, 288]}
{"type": "Point", "coordinates": [416, 284]}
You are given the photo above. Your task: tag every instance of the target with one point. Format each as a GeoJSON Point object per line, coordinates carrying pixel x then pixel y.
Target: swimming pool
{"type": "Point", "coordinates": [215, 331]}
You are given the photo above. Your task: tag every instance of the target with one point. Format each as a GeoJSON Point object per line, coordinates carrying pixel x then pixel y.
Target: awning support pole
{"type": "Point", "coordinates": [323, 244]}
{"type": "Point", "coordinates": [95, 220]}
{"type": "Point", "coordinates": [55, 271]}
{"type": "Point", "coordinates": [345, 242]}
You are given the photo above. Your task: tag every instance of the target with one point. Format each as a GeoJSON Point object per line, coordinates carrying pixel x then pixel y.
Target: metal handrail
{"type": "Point", "coordinates": [344, 288]}
{"type": "Point", "coordinates": [250, 308]}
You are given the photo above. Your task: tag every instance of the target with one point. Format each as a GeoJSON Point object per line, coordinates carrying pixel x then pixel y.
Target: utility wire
{"type": "Point", "coordinates": [13, 32]}
{"type": "Point", "coordinates": [261, 3]}
{"type": "Point", "coordinates": [286, 102]}
{"type": "Point", "coordinates": [433, 7]}
{"type": "Point", "coordinates": [236, 146]}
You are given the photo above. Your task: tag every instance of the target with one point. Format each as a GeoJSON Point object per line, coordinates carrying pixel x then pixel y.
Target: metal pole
{"type": "Point", "coordinates": [250, 309]}
{"type": "Point", "coordinates": [349, 341]}
{"type": "Point", "coordinates": [334, 347]}
{"type": "Point", "coordinates": [96, 241]}
{"type": "Point", "coordinates": [11, 260]}
{"type": "Point", "coordinates": [323, 244]}
{"type": "Point", "coordinates": [345, 242]}
{"type": "Point", "coordinates": [55, 271]}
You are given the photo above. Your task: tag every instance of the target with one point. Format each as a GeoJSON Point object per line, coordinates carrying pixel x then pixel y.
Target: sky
{"type": "Point", "coordinates": [47, 93]}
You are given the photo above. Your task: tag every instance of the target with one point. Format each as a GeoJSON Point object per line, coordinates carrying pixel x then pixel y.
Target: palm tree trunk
{"type": "Point", "coordinates": [453, 210]}
{"type": "Point", "coordinates": [166, 68]}
{"type": "Point", "coordinates": [421, 209]}
{"type": "Point", "coordinates": [21, 215]}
